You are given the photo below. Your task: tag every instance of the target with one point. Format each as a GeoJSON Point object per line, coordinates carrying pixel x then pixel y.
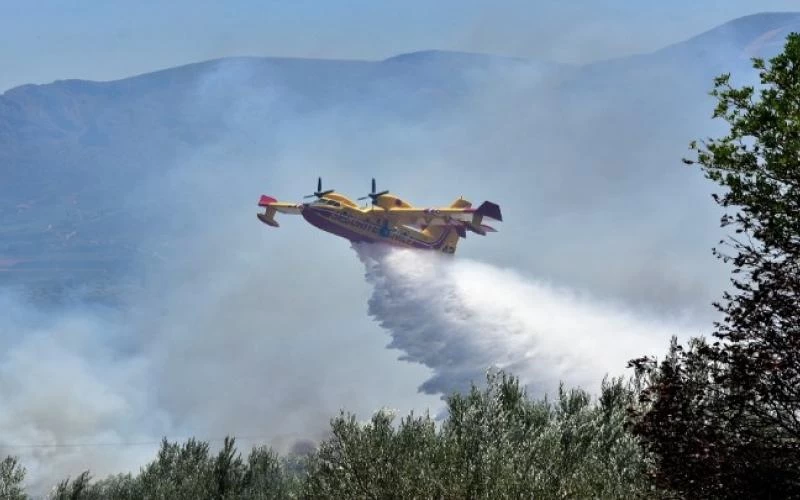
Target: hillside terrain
{"type": "Point", "coordinates": [75, 155]}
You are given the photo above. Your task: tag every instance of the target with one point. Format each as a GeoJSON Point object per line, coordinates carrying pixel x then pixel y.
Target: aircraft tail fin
{"type": "Point", "coordinates": [487, 209]}
{"type": "Point", "coordinates": [490, 210]}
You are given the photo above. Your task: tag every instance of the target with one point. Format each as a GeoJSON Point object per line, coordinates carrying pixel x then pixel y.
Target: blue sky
{"type": "Point", "coordinates": [44, 41]}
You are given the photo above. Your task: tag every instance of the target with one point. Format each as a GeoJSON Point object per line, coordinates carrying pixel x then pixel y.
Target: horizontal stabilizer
{"type": "Point", "coordinates": [481, 229]}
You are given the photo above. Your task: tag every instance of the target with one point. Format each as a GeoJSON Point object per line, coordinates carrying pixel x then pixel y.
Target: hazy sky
{"type": "Point", "coordinates": [45, 41]}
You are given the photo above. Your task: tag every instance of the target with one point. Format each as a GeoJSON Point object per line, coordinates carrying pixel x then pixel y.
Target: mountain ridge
{"type": "Point", "coordinates": [70, 149]}
{"type": "Point", "coordinates": [738, 28]}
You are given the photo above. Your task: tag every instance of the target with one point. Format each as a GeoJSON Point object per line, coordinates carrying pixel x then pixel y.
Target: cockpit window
{"type": "Point", "coordinates": [332, 203]}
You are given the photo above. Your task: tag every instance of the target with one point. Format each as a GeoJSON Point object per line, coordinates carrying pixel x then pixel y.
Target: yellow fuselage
{"type": "Point", "coordinates": [338, 215]}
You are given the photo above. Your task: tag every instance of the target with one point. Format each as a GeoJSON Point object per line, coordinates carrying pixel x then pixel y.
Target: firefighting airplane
{"type": "Point", "coordinates": [389, 220]}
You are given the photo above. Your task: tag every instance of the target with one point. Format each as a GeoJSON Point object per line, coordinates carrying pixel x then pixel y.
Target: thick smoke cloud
{"type": "Point", "coordinates": [64, 382]}
{"type": "Point", "coordinates": [218, 345]}
{"type": "Point", "coordinates": [229, 328]}
{"type": "Point", "coordinates": [460, 317]}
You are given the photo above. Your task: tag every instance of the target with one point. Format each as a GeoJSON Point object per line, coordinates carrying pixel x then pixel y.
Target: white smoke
{"type": "Point", "coordinates": [213, 347]}
{"type": "Point", "coordinates": [69, 396]}
{"type": "Point", "coordinates": [461, 317]}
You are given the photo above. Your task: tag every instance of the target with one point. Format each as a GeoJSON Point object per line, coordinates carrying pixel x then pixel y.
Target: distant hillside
{"type": "Point", "coordinates": [71, 150]}
{"type": "Point", "coordinates": [757, 35]}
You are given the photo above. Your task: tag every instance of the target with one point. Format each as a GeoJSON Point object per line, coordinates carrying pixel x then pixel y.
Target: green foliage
{"type": "Point", "coordinates": [12, 476]}
{"type": "Point", "coordinates": [495, 443]}
{"type": "Point", "coordinates": [190, 471]}
{"type": "Point", "coordinates": [270, 477]}
{"type": "Point", "coordinates": [117, 487]}
{"type": "Point", "coordinates": [722, 419]}
{"type": "Point", "coordinates": [76, 489]}
{"type": "Point", "coordinates": [373, 460]}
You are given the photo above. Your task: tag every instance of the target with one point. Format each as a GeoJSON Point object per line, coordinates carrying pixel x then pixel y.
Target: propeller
{"type": "Point", "coordinates": [373, 194]}
{"type": "Point", "coordinates": [319, 193]}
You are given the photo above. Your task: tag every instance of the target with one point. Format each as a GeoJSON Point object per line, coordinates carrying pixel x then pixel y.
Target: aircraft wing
{"type": "Point", "coordinates": [280, 206]}
{"type": "Point", "coordinates": [271, 206]}
{"type": "Point", "coordinates": [431, 215]}
{"type": "Point", "coordinates": [468, 217]}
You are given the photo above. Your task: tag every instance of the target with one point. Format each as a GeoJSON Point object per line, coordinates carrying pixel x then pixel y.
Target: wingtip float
{"type": "Point", "coordinates": [389, 219]}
